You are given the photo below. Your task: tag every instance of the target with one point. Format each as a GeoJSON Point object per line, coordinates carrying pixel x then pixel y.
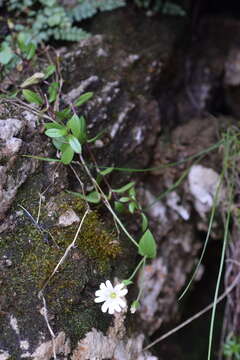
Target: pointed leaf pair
{"type": "Point", "coordinates": [93, 197]}
{"type": "Point", "coordinates": [64, 114]}
{"type": "Point", "coordinates": [78, 127]}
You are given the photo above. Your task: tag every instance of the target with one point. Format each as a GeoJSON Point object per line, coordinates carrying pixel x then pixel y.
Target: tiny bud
{"type": "Point", "coordinates": [134, 306]}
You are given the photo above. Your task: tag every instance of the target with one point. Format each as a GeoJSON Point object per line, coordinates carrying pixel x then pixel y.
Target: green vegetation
{"type": "Point", "coordinates": [231, 347]}
{"type": "Point", "coordinates": [33, 23]}
{"type": "Point", "coordinates": [67, 129]}
{"type": "Point", "coordinates": [166, 7]}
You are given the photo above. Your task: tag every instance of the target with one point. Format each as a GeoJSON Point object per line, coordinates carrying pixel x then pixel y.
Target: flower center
{"type": "Point", "coordinates": [113, 295]}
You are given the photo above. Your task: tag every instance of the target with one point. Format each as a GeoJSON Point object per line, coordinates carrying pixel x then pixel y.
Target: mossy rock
{"type": "Point", "coordinates": [29, 254]}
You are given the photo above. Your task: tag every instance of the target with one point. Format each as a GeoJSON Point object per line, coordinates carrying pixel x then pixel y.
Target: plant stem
{"type": "Point", "coordinates": [106, 202]}
{"type": "Point", "coordinates": [136, 269]}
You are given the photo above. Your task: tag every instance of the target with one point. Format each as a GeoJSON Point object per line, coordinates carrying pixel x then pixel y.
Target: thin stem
{"type": "Point", "coordinates": [106, 202]}
{"type": "Point", "coordinates": [218, 281]}
{"type": "Point", "coordinates": [136, 269]}
{"type": "Point", "coordinates": [120, 223]}
{"type": "Point", "coordinates": [176, 163]}
{"type": "Point", "coordinates": [141, 286]}
{"type": "Point", "coordinates": [213, 211]}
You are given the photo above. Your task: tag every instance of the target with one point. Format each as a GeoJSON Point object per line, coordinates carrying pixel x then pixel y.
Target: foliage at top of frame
{"type": "Point", "coordinates": [33, 22]}
{"type": "Point", "coordinates": [166, 7]}
{"type": "Point", "coordinates": [38, 21]}
{"type": "Point", "coordinates": [49, 18]}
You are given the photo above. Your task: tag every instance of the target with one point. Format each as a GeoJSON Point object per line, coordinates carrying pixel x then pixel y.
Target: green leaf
{"type": "Point", "coordinates": [78, 127]}
{"type": "Point", "coordinates": [147, 245]}
{"type": "Point", "coordinates": [106, 171]}
{"type": "Point", "coordinates": [49, 71]}
{"type": "Point", "coordinates": [30, 51]}
{"type": "Point", "coordinates": [41, 158]}
{"type": "Point", "coordinates": [33, 80]}
{"type": "Point", "coordinates": [75, 144]}
{"type": "Point", "coordinates": [74, 125]}
{"type": "Point", "coordinates": [54, 125]}
{"type": "Point", "coordinates": [94, 197]}
{"type": "Point", "coordinates": [55, 132]}
{"type": "Point", "coordinates": [83, 98]}
{"type": "Point", "coordinates": [97, 136]}
{"type": "Point", "coordinates": [131, 207]}
{"type": "Point", "coordinates": [32, 97]}
{"type": "Point", "coordinates": [124, 188]}
{"type": "Point", "coordinates": [64, 114]}
{"type": "Point", "coordinates": [67, 154]}
{"type": "Point", "coordinates": [10, 95]}
{"type": "Point", "coordinates": [6, 53]}
{"type": "Point", "coordinates": [27, 48]}
{"type": "Point", "coordinates": [54, 20]}
{"type": "Point", "coordinates": [119, 207]}
{"type": "Point", "coordinates": [144, 222]}
{"type": "Point", "coordinates": [23, 39]}
{"type": "Point", "coordinates": [124, 199]}
{"type": "Point", "coordinates": [21, 44]}
{"type": "Point", "coordinates": [59, 142]}
{"type": "Point", "coordinates": [53, 91]}
{"type": "Point", "coordinates": [83, 130]}
{"type": "Point", "coordinates": [132, 193]}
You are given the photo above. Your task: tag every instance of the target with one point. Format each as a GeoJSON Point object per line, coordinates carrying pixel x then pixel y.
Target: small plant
{"type": "Point", "coordinates": [68, 133]}
{"type": "Point", "coordinates": [231, 348]}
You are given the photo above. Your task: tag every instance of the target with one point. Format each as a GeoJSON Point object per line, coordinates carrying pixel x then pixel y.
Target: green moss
{"type": "Point", "coordinates": [35, 254]}
{"type": "Point", "coordinates": [94, 240]}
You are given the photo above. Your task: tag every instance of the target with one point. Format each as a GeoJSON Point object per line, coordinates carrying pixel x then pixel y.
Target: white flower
{"type": "Point", "coordinates": [112, 297]}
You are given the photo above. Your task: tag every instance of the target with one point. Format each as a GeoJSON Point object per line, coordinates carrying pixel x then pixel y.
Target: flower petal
{"type": "Point", "coordinates": [105, 306]}
{"type": "Point", "coordinates": [123, 292]}
{"type": "Point", "coordinates": [100, 293]}
{"type": "Point", "coordinates": [111, 309]}
{"type": "Point", "coordinates": [119, 287]}
{"type": "Point", "coordinates": [109, 285]}
{"type": "Point", "coordinates": [121, 303]}
{"type": "Point", "coordinates": [102, 286]}
{"type": "Point", "coordinates": [99, 299]}
{"type": "Point", "coordinates": [117, 308]}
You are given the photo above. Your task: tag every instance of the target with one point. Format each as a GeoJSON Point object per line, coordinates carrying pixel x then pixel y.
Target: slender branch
{"type": "Point", "coordinates": [106, 202]}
